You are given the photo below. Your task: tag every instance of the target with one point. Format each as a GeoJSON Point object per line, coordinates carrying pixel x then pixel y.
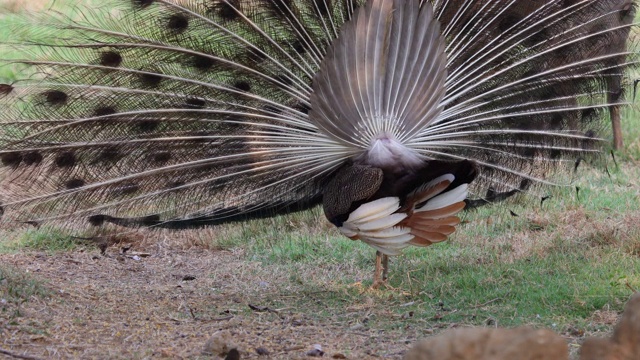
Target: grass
{"type": "Point", "coordinates": [553, 265]}
{"type": "Point", "coordinates": [631, 134]}
{"type": "Point", "coordinates": [16, 288]}
{"type": "Point", "coordinates": [47, 239]}
{"type": "Point", "coordinates": [555, 276]}
{"type": "Point", "coordinates": [557, 264]}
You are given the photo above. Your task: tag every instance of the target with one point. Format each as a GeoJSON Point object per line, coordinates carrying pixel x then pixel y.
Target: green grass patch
{"type": "Point", "coordinates": [631, 132]}
{"type": "Point", "coordinates": [17, 287]}
{"type": "Point", "coordinates": [449, 282]}
{"type": "Point", "coordinates": [518, 263]}
{"type": "Point", "coordinates": [545, 290]}
{"type": "Point", "coordinates": [45, 239]}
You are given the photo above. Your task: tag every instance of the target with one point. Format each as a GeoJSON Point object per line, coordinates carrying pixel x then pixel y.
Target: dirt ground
{"type": "Point", "coordinates": [166, 303]}
{"type": "Point", "coordinates": [157, 301]}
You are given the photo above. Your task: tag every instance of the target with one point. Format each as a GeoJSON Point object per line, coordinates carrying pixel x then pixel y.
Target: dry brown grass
{"type": "Point", "coordinates": [545, 231]}
{"type": "Point", "coordinates": [120, 308]}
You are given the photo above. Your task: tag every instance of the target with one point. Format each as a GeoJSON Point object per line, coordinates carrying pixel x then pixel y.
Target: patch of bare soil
{"type": "Point", "coordinates": [168, 303]}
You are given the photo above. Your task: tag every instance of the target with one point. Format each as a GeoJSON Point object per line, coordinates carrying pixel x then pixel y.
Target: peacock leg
{"type": "Point", "coordinates": [385, 267]}
{"type": "Point", "coordinates": [380, 274]}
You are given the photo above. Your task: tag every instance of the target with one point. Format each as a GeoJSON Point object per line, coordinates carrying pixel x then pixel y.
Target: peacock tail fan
{"type": "Point", "coordinates": [186, 113]}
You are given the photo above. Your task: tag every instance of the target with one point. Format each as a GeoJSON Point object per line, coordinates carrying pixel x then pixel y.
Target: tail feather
{"type": "Point", "coordinates": [182, 113]}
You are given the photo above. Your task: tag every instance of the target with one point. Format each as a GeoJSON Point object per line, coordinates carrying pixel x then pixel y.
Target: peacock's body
{"type": "Point", "coordinates": [188, 113]}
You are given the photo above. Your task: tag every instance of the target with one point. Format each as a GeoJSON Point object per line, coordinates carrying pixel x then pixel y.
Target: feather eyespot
{"type": "Point", "coordinates": [194, 103]}
{"type": "Point", "coordinates": [178, 23]}
{"type": "Point", "coordinates": [227, 10]}
{"type": "Point", "coordinates": [202, 63]}
{"type": "Point", "coordinates": [104, 111]}
{"type": "Point", "coordinates": [148, 125]}
{"type": "Point", "coordinates": [65, 160]}
{"type": "Point", "coordinates": [242, 86]}
{"type": "Point", "coordinates": [11, 159]}
{"type": "Point", "coordinates": [150, 79]}
{"type": "Point", "coordinates": [162, 157]}
{"type": "Point", "coordinates": [74, 184]}
{"type": "Point", "coordinates": [56, 97]}
{"type": "Point", "coordinates": [175, 184]}
{"type": "Point", "coordinates": [5, 89]}
{"type": "Point", "coordinates": [110, 59]}
{"type": "Point", "coordinates": [32, 158]}
{"type": "Point", "coordinates": [299, 47]}
{"type": "Point", "coordinates": [142, 3]}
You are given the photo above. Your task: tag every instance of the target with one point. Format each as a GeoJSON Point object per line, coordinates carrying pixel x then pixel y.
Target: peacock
{"type": "Point", "coordinates": [393, 115]}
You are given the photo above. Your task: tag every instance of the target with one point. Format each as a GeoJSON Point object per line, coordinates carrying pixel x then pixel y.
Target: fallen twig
{"type": "Point", "coordinates": [263, 309]}
{"type": "Point", "coordinates": [17, 356]}
{"type": "Point", "coordinates": [631, 287]}
{"type": "Point", "coordinates": [486, 303]}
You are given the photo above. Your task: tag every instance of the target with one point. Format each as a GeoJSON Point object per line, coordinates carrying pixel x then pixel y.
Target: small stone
{"type": "Point", "coordinates": [262, 351]}
{"type": "Point", "coordinates": [316, 352]}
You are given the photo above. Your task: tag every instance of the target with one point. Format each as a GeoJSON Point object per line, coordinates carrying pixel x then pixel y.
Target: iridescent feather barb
{"type": "Point", "coordinates": [182, 114]}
